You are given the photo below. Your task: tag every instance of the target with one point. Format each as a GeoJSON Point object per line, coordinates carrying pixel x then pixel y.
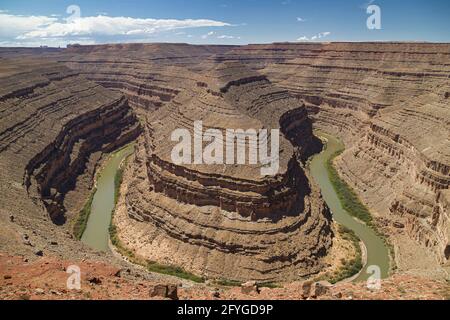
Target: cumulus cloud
{"type": "Point", "coordinates": [299, 19]}
{"type": "Point", "coordinates": [32, 29]}
{"type": "Point", "coordinates": [12, 26]}
{"type": "Point", "coordinates": [224, 36]}
{"type": "Point", "coordinates": [315, 37]}
{"type": "Point", "coordinates": [109, 26]}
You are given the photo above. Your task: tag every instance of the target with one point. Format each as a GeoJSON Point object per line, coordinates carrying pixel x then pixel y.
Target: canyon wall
{"type": "Point", "coordinates": [227, 221]}
{"type": "Point", "coordinates": [142, 72]}
{"type": "Point", "coordinates": [54, 127]}
{"type": "Point", "coordinates": [389, 102]}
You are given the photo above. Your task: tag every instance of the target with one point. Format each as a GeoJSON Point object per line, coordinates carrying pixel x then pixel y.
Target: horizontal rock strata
{"type": "Point", "coordinates": [54, 126]}
{"type": "Point", "coordinates": [390, 104]}
{"type": "Point", "coordinates": [228, 221]}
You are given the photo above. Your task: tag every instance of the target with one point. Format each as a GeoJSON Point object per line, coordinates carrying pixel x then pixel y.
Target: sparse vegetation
{"type": "Point", "coordinates": [228, 283]}
{"type": "Point", "coordinates": [173, 271]}
{"type": "Point", "coordinates": [81, 222]}
{"type": "Point", "coordinates": [150, 265]}
{"type": "Point", "coordinates": [270, 285]}
{"type": "Point", "coordinates": [348, 198]}
{"type": "Point", "coordinates": [118, 178]}
{"type": "Point", "coordinates": [235, 283]}
{"type": "Point", "coordinates": [349, 267]}
{"type": "Point", "coordinates": [353, 205]}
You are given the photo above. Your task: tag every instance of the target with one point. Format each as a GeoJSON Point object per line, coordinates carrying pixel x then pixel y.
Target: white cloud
{"type": "Point", "coordinates": [315, 37]}
{"type": "Point", "coordinates": [12, 26]}
{"type": "Point", "coordinates": [111, 26]}
{"type": "Point", "coordinates": [300, 19]}
{"type": "Point", "coordinates": [324, 34]}
{"type": "Point", "coordinates": [224, 36]}
{"type": "Point", "coordinates": [207, 35]}
{"type": "Point", "coordinates": [23, 29]}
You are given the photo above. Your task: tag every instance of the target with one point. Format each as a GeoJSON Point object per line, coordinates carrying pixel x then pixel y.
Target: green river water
{"type": "Point", "coordinates": [377, 252]}
{"type": "Point", "coordinates": [96, 234]}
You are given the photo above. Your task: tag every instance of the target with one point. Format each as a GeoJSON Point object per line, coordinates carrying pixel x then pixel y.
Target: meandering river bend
{"type": "Point", "coordinates": [96, 234]}
{"type": "Point", "coordinates": [377, 252]}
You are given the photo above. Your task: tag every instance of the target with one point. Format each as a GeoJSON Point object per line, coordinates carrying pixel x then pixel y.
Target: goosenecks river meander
{"type": "Point", "coordinates": [377, 252]}
{"type": "Point", "coordinates": [96, 234]}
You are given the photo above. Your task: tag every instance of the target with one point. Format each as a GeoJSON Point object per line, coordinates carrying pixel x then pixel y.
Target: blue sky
{"type": "Point", "coordinates": [46, 22]}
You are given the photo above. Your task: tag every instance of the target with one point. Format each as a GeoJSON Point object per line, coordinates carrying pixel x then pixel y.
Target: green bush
{"type": "Point", "coordinates": [150, 265]}
{"type": "Point", "coordinates": [350, 267]}
{"type": "Point", "coordinates": [118, 178]}
{"type": "Point", "coordinates": [228, 283]}
{"type": "Point", "coordinates": [173, 271]}
{"type": "Point", "coordinates": [81, 222]}
{"type": "Point", "coordinates": [348, 198]}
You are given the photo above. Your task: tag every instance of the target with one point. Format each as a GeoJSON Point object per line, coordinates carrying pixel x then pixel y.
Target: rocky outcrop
{"type": "Point", "coordinates": [54, 126]}
{"type": "Point", "coordinates": [227, 221]}
{"type": "Point", "coordinates": [147, 74]}
{"type": "Point", "coordinates": [389, 103]}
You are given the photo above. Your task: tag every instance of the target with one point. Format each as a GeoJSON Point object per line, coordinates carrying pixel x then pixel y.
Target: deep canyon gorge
{"type": "Point", "coordinates": [64, 110]}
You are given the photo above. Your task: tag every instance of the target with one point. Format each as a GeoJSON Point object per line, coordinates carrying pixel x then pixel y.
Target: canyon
{"type": "Point", "coordinates": [64, 110]}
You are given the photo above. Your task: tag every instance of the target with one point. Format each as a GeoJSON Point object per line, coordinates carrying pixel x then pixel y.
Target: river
{"type": "Point", "coordinates": [96, 234]}
{"type": "Point", "coordinates": [377, 252]}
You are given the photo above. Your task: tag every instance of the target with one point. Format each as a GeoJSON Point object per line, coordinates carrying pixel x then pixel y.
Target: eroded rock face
{"type": "Point", "coordinates": [389, 103]}
{"type": "Point", "coordinates": [228, 221]}
{"type": "Point", "coordinates": [54, 126]}
{"type": "Point", "coordinates": [147, 74]}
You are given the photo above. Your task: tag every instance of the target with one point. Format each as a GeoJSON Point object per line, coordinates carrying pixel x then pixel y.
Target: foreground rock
{"type": "Point", "coordinates": [46, 279]}
{"type": "Point", "coordinates": [164, 291]}
{"type": "Point", "coordinates": [250, 287]}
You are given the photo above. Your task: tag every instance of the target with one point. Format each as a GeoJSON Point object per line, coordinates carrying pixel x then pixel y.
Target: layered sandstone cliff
{"type": "Point", "coordinates": [227, 221]}
{"type": "Point", "coordinates": [54, 126]}
{"type": "Point", "coordinates": [145, 73]}
{"type": "Point", "coordinates": [390, 103]}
